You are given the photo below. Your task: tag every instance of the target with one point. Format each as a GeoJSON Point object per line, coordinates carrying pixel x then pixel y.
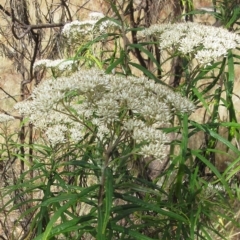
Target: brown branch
{"type": "Point", "coordinates": [28, 27]}
{"type": "Point", "coordinates": [63, 2]}
{"type": "Point", "coordinates": [22, 35]}
{"type": "Point", "coordinates": [32, 27]}
{"type": "Point", "coordinates": [8, 94]}
{"type": "Point", "coordinates": [7, 113]}
{"type": "Point", "coordinates": [10, 14]}
{"type": "Point", "coordinates": [5, 11]}
{"type": "Point", "coordinates": [134, 37]}
{"type": "Point", "coordinates": [48, 25]}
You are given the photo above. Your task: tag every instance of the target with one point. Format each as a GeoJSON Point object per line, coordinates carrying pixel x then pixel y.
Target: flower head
{"type": "Point", "coordinates": [77, 29]}
{"type": "Point", "coordinates": [91, 101]}
{"type": "Point", "coordinates": [96, 15]}
{"type": "Point", "coordinates": [84, 30]}
{"type": "Point", "coordinates": [204, 43]}
{"type": "Point", "coordinates": [6, 118]}
{"type": "Point", "coordinates": [60, 65]}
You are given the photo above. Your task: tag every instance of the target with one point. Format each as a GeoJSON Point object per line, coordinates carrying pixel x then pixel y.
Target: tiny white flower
{"type": "Point", "coordinates": [59, 64]}
{"type": "Point", "coordinates": [67, 108]}
{"type": "Point", "coordinates": [56, 134]}
{"type": "Point", "coordinates": [96, 15]}
{"type": "Point", "coordinates": [207, 43]}
{"type": "Point", "coordinates": [6, 118]}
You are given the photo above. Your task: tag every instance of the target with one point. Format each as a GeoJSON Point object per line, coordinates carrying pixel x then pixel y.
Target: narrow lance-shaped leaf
{"type": "Point", "coordinates": [108, 197]}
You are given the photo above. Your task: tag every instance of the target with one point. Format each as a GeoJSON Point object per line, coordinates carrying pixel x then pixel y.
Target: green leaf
{"type": "Point", "coordinates": [108, 197]}
{"type": "Point", "coordinates": [68, 196]}
{"type": "Point", "coordinates": [183, 156]}
{"type": "Point", "coordinates": [129, 232]}
{"type": "Point", "coordinates": [115, 10]}
{"type": "Point", "coordinates": [214, 170]}
{"type": "Point", "coordinates": [229, 83]}
{"type": "Point", "coordinates": [53, 219]}
{"type": "Point", "coordinates": [113, 65]}
{"type": "Point", "coordinates": [83, 164]}
{"type": "Point", "coordinates": [231, 75]}
{"type": "Point", "coordinates": [64, 227]}
{"type": "Point", "coordinates": [235, 16]}
{"type": "Point", "coordinates": [148, 53]}
{"type": "Point", "coordinates": [152, 207]}
{"type": "Point", "coordinates": [147, 73]}
{"type": "Point", "coordinates": [100, 234]}
{"type": "Point", "coordinates": [230, 124]}
{"type": "Point", "coordinates": [201, 98]}
{"type": "Point", "coordinates": [215, 135]}
{"type": "Point", "coordinates": [232, 169]}
{"type": "Point", "coordinates": [123, 211]}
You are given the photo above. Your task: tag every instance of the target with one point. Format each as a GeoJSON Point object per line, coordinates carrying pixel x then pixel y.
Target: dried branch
{"type": "Point", "coordinates": [9, 95]}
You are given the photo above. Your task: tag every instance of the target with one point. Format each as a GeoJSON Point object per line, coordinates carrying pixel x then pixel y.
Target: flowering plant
{"type": "Point", "coordinates": [206, 44]}
{"type": "Point", "coordinates": [99, 133]}
{"type": "Point", "coordinates": [83, 31]}
{"type": "Point", "coordinates": [112, 107]}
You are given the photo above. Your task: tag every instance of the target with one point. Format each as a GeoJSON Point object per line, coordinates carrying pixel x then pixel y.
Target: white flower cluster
{"type": "Point", "coordinates": [5, 118]}
{"type": "Point", "coordinates": [96, 16]}
{"type": "Point", "coordinates": [58, 64]}
{"type": "Point", "coordinates": [83, 30]}
{"type": "Point", "coordinates": [77, 28]}
{"type": "Point", "coordinates": [213, 189]}
{"type": "Point", "coordinates": [90, 100]}
{"type": "Point", "coordinates": [205, 43]}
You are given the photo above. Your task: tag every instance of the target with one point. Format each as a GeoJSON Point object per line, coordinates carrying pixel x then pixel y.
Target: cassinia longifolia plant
{"type": "Point", "coordinates": [120, 107]}
{"type": "Point", "coordinates": [82, 31]}
{"type": "Point", "coordinates": [77, 33]}
{"type": "Point", "coordinates": [116, 107]}
{"type": "Point", "coordinates": [204, 43]}
{"type": "Point", "coordinates": [102, 126]}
